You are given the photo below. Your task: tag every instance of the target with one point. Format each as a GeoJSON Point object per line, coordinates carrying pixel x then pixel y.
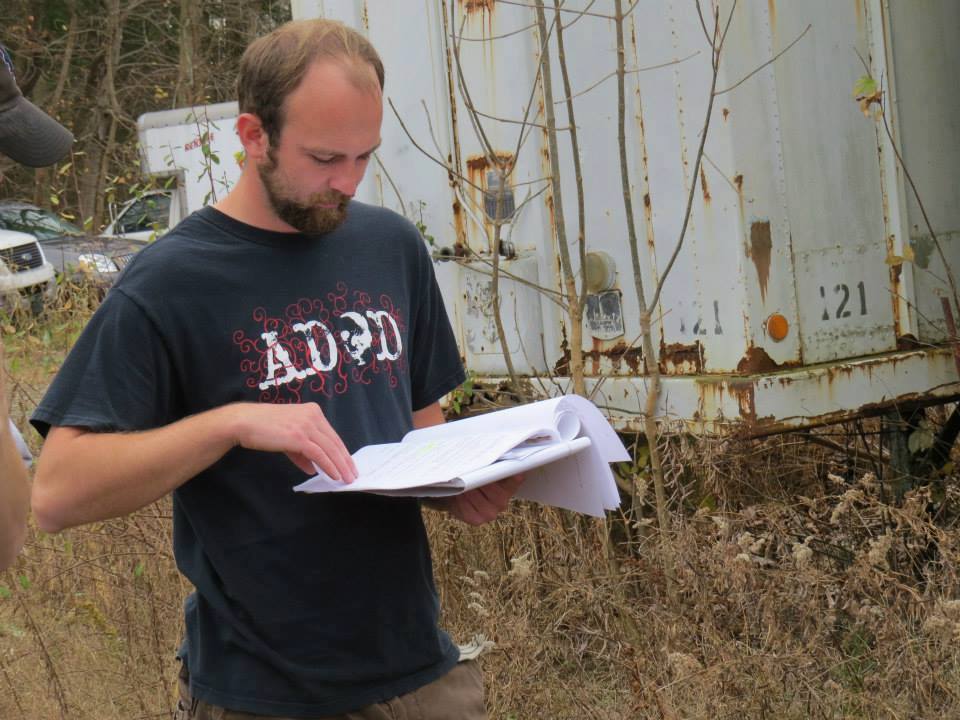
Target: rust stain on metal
{"type": "Point", "coordinates": [704, 186]}
{"type": "Point", "coordinates": [454, 161]}
{"type": "Point", "coordinates": [758, 361]}
{"type": "Point", "coordinates": [619, 354]}
{"type": "Point", "coordinates": [595, 356]}
{"type": "Point", "coordinates": [477, 166]}
{"type": "Point", "coordinates": [896, 272]}
{"type": "Point", "coordinates": [472, 6]}
{"type": "Point", "coordinates": [909, 342]}
{"type": "Point", "coordinates": [459, 223]}
{"type": "Point", "coordinates": [763, 427]}
{"type": "Point", "coordinates": [645, 160]}
{"type": "Point", "coordinates": [744, 393]}
{"type": "Point", "coordinates": [726, 113]}
{"type": "Point", "coordinates": [738, 181]}
{"type": "Point", "coordinates": [772, 7]}
{"type": "Point", "coordinates": [761, 246]}
{"type": "Point", "coordinates": [680, 359]}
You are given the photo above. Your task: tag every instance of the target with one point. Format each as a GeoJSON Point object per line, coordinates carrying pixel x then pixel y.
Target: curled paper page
{"type": "Point", "coordinates": [563, 447]}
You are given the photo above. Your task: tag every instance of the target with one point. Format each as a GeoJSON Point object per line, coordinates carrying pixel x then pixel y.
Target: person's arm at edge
{"type": "Point", "coordinates": [84, 476]}
{"type": "Point", "coordinates": [14, 496]}
{"type": "Point", "coordinates": [474, 507]}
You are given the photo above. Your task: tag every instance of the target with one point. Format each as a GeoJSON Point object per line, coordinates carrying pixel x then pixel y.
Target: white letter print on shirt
{"type": "Point", "coordinates": [378, 316]}
{"type": "Point", "coordinates": [358, 340]}
{"type": "Point", "coordinates": [316, 363]}
{"type": "Point", "coordinates": [278, 359]}
{"type": "Point", "coordinates": [323, 346]}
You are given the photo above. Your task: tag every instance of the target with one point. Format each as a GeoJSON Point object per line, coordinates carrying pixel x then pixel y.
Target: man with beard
{"type": "Point", "coordinates": [217, 369]}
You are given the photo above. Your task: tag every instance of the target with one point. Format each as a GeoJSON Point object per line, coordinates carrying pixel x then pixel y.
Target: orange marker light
{"type": "Point", "coordinates": [777, 327]}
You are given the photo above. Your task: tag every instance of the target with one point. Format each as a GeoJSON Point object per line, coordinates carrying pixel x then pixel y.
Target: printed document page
{"type": "Point", "coordinates": [563, 446]}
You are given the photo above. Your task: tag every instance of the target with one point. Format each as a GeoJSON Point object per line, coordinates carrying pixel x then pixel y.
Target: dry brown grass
{"type": "Point", "coordinates": [800, 593]}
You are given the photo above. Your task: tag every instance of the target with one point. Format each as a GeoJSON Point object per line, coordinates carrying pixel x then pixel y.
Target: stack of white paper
{"type": "Point", "coordinates": [562, 446]}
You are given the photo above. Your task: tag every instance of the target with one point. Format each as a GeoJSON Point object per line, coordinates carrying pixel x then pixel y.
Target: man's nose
{"type": "Point", "coordinates": [346, 182]}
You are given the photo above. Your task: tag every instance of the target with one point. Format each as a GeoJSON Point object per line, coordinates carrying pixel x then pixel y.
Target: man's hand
{"type": "Point", "coordinates": [476, 507]}
{"type": "Point", "coordinates": [301, 431]}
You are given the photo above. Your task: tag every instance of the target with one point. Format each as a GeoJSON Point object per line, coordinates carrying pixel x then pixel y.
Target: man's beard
{"type": "Point", "coordinates": [307, 216]}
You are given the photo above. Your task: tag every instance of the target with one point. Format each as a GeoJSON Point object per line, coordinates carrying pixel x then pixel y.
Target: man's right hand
{"type": "Point", "coordinates": [301, 431]}
{"type": "Point", "coordinates": [84, 476]}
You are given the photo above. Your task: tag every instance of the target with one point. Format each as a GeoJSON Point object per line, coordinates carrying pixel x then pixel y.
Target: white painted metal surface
{"type": "Point", "coordinates": [797, 207]}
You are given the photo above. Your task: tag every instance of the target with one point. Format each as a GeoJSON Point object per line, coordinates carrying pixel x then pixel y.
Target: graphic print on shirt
{"type": "Point", "coordinates": [323, 346]}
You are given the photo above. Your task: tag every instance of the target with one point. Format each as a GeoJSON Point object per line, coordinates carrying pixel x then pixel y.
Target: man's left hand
{"type": "Point", "coordinates": [476, 507]}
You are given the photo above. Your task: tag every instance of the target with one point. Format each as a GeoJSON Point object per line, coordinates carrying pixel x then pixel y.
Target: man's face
{"type": "Point", "coordinates": [331, 129]}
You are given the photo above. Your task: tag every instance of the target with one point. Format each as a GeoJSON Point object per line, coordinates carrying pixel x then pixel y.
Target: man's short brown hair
{"type": "Point", "coordinates": [273, 65]}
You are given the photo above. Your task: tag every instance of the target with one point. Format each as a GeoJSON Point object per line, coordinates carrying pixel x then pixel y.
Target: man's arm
{"type": "Point", "coordinates": [14, 486]}
{"type": "Point", "coordinates": [14, 494]}
{"type": "Point", "coordinates": [474, 507]}
{"type": "Point", "coordinates": [84, 476]}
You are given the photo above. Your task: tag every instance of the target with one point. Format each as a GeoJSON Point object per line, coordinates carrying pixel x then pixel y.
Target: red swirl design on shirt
{"type": "Point", "coordinates": [323, 347]}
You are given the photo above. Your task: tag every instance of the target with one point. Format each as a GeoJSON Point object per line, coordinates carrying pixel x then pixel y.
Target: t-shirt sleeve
{"type": "Point", "coordinates": [435, 367]}
{"type": "Point", "coordinates": [117, 377]}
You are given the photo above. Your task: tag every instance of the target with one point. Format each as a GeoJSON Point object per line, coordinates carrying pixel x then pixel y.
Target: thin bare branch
{"type": "Point", "coordinates": [550, 294]}
{"type": "Point", "coordinates": [726, 27]}
{"type": "Point", "coordinates": [497, 37]}
{"type": "Point", "coordinates": [509, 121]}
{"type": "Point", "coordinates": [575, 150]}
{"type": "Point", "coordinates": [703, 24]}
{"type": "Point", "coordinates": [524, 132]}
{"type": "Point", "coordinates": [628, 72]}
{"type": "Point", "coordinates": [580, 16]}
{"type": "Point", "coordinates": [396, 190]}
{"type": "Point", "coordinates": [485, 143]}
{"type": "Point", "coordinates": [417, 145]}
{"type": "Point", "coordinates": [566, 10]}
{"type": "Point", "coordinates": [693, 177]}
{"type": "Point", "coordinates": [720, 172]}
{"type": "Point", "coordinates": [768, 62]}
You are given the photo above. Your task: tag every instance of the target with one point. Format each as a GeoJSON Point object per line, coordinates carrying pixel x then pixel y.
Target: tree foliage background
{"type": "Point", "coordinates": [97, 65]}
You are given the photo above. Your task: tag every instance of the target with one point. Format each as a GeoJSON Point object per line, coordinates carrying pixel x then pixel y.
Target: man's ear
{"type": "Point", "coordinates": [252, 136]}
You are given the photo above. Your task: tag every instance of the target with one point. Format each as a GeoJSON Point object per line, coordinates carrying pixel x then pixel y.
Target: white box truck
{"type": "Point", "coordinates": [787, 307]}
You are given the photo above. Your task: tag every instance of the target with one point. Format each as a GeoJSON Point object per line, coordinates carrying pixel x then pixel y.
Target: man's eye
{"type": "Point", "coordinates": [323, 161]}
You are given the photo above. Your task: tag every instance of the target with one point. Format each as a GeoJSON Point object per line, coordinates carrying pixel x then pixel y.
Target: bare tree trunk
{"type": "Point", "coordinates": [572, 297]}
{"type": "Point", "coordinates": [107, 113]}
{"type": "Point", "coordinates": [646, 331]}
{"type": "Point", "coordinates": [43, 177]}
{"type": "Point", "coordinates": [190, 76]}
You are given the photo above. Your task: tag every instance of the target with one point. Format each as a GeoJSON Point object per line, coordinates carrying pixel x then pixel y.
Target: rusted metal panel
{"type": "Point", "coordinates": [767, 404]}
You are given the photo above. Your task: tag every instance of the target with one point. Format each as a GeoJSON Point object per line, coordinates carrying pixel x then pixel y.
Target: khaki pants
{"type": "Point", "coordinates": [458, 695]}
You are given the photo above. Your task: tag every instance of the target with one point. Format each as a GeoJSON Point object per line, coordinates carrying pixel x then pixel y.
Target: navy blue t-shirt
{"type": "Point", "coordinates": [305, 605]}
